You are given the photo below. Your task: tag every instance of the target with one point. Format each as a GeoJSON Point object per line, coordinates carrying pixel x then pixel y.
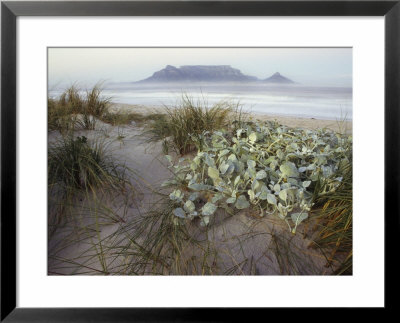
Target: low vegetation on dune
{"type": "Point", "coordinates": [264, 167]}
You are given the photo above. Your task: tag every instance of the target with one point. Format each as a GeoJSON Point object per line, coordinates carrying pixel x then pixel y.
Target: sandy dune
{"type": "Point", "coordinates": [241, 244]}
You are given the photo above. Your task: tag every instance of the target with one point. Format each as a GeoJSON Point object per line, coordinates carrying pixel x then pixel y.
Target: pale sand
{"type": "Point", "coordinates": [243, 242]}
{"type": "Point", "coordinates": [308, 123]}
{"type": "Point", "coordinates": [290, 121]}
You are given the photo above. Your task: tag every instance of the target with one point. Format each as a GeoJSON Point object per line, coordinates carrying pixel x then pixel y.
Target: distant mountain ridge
{"type": "Point", "coordinates": [207, 73]}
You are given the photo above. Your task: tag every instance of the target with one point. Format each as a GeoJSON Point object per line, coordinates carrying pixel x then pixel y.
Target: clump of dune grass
{"type": "Point", "coordinates": [293, 259]}
{"type": "Point", "coordinates": [335, 233]}
{"type": "Point", "coordinates": [63, 111]}
{"type": "Point", "coordinates": [79, 168]}
{"type": "Point", "coordinates": [94, 107]}
{"type": "Point", "coordinates": [149, 244]}
{"type": "Point", "coordinates": [72, 99]}
{"type": "Point", "coordinates": [80, 164]}
{"type": "Point", "coordinates": [182, 124]}
{"type": "Point", "coordinates": [88, 188]}
{"type": "Point", "coordinates": [75, 109]}
{"type": "Point", "coordinates": [60, 117]}
{"type": "Point", "coordinates": [95, 103]}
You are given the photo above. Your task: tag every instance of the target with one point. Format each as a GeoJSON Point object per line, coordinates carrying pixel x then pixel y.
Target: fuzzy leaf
{"type": "Point", "coordinates": [251, 163]}
{"type": "Point", "coordinates": [271, 199]}
{"type": "Point", "coordinates": [263, 193]}
{"type": "Point", "coordinates": [189, 207]}
{"type": "Point", "coordinates": [283, 195]}
{"type": "Point", "coordinates": [180, 213]}
{"type": "Point", "coordinates": [232, 157]}
{"type": "Point", "coordinates": [221, 188]}
{"type": "Point", "coordinates": [223, 168]}
{"type": "Point", "coordinates": [255, 185]}
{"type": "Point", "coordinates": [261, 174]}
{"type": "Point", "coordinates": [231, 200]}
{"type": "Point", "coordinates": [208, 209]}
{"type": "Point", "coordinates": [199, 187]}
{"type": "Point", "coordinates": [193, 166]}
{"type": "Point", "coordinates": [311, 167]}
{"type": "Point", "coordinates": [192, 215]}
{"type": "Point", "coordinates": [209, 160]}
{"type": "Point", "coordinates": [306, 184]}
{"type": "Point", "coordinates": [193, 196]}
{"type": "Point", "coordinates": [216, 197]}
{"type": "Point", "coordinates": [242, 203]}
{"type": "Point", "coordinates": [176, 195]}
{"type": "Point", "coordinates": [251, 194]}
{"type": "Point", "coordinates": [213, 172]}
{"type": "Point", "coordinates": [223, 152]}
{"type": "Point", "coordinates": [205, 220]}
{"type": "Point", "coordinates": [253, 137]}
{"type": "Point", "coordinates": [297, 218]}
{"type": "Point", "coordinates": [289, 169]}
{"type": "Point", "coordinates": [231, 168]}
{"type": "Point", "coordinates": [237, 180]}
{"type": "Point", "coordinates": [249, 173]}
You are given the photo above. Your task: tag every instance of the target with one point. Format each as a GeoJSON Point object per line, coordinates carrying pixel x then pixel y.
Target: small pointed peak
{"type": "Point", "coordinates": [278, 78]}
{"type": "Point", "coordinates": [170, 67]}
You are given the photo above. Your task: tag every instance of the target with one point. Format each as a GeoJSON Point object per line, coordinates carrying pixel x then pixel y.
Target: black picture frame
{"type": "Point", "coordinates": [9, 13]}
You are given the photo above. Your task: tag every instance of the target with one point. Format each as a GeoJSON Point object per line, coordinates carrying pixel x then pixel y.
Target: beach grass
{"type": "Point", "coordinates": [75, 108]}
{"type": "Point", "coordinates": [79, 169]}
{"type": "Point", "coordinates": [335, 224]}
{"type": "Point", "coordinates": [79, 164]}
{"type": "Point", "coordinates": [154, 243]}
{"type": "Point", "coordinates": [60, 117]}
{"type": "Point", "coordinates": [80, 109]}
{"type": "Point", "coordinates": [179, 129]}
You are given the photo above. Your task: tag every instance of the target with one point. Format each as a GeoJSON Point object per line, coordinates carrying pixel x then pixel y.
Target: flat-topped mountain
{"type": "Point", "coordinates": [208, 73]}
{"type": "Point", "coordinates": [199, 73]}
{"type": "Point", "coordinates": [278, 78]}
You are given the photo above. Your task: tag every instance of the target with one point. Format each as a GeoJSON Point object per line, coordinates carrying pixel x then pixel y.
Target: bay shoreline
{"type": "Point", "coordinates": [342, 126]}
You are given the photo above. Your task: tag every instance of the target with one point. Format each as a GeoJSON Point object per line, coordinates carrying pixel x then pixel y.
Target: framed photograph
{"type": "Point", "coordinates": [178, 155]}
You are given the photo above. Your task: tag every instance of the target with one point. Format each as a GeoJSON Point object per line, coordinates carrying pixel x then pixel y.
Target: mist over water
{"type": "Point", "coordinates": [288, 100]}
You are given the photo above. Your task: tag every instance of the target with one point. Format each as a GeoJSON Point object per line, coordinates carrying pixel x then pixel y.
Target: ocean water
{"type": "Point", "coordinates": [289, 100]}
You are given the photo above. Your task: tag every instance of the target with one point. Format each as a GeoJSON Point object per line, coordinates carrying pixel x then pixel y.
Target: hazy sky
{"type": "Point", "coordinates": [309, 66]}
